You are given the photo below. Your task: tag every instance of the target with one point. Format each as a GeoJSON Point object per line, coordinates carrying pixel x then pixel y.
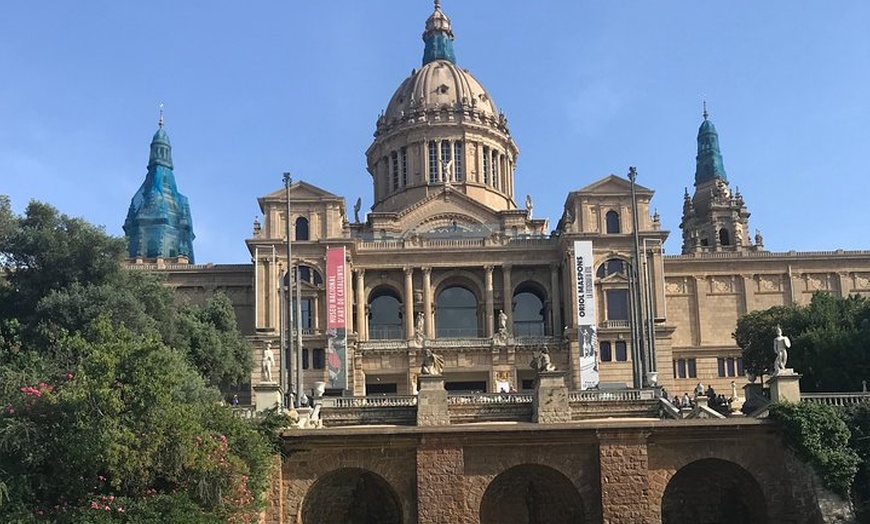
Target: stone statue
{"type": "Point", "coordinates": [529, 205]}
{"type": "Point", "coordinates": [433, 364]}
{"type": "Point", "coordinates": [268, 362]}
{"type": "Point", "coordinates": [780, 347]}
{"type": "Point", "coordinates": [356, 208]}
{"type": "Point", "coordinates": [447, 171]}
{"type": "Point", "coordinates": [541, 361]}
{"type": "Point", "coordinates": [734, 395]}
{"type": "Point", "coordinates": [759, 239]}
{"type": "Point", "coordinates": [502, 321]}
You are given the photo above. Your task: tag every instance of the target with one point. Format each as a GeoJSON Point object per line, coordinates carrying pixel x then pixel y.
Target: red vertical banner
{"type": "Point", "coordinates": [336, 321]}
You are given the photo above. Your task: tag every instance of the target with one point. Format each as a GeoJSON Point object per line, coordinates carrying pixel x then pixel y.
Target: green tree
{"type": "Point", "coordinates": [829, 337]}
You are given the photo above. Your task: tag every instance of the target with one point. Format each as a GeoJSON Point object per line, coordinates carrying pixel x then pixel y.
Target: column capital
{"type": "Point", "coordinates": [426, 270]}
{"type": "Point", "coordinates": [409, 271]}
{"type": "Point", "coordinates": [360, 272]}
{"type": "Point", "coordinates": [506, 267]}
{"type": "Point", "coordinates": [488, 268]}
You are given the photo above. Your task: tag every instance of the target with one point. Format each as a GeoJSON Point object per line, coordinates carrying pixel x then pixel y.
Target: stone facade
{"type": "Point", "coordinates": [447, 242]}
{"type": "Point", "coordinates": [626, 472]}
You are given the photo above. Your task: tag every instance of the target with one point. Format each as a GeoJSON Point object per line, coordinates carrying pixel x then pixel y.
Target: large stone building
{"type": "Point", "coordinates": [447, 259]}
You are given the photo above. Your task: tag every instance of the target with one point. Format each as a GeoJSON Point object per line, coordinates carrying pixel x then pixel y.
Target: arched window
{"type": "Point", "coordinates": [610, 267]}
{"type": "Point", "coordinates": [433, 162]}
{"type": "Point", "coordinates": [301, 228]}
{"type": "Point", "coordinates": [724, 237]}
{"type": "Point", "coordinates": [456, 314]}
{"type": "Point", "coordinates": [458, 171]}
{"type": "Point", "coordinates": [385, 315]}
{"type": "Point", "coordinates": [404, 166]}
{"type": "Point", "coordinates": [612, 219]}
{"type": "Point", "coordinates": [308, 275]}
{"type": "Point", "coordinates": [529, 312]}
{"type": "Point", "coordinates": [394, 169]}
{"type": "Point", "coordinates": [486, 165]}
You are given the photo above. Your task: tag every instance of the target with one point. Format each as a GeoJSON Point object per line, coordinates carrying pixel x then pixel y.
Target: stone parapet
{"type": "Point", "coordinates": [550, 405]}
{"type": "Point", "coordinates": [432, 407]}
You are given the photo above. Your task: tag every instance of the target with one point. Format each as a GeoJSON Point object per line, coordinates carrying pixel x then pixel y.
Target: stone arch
{"type": "Point", "coordinates": [724, 237]}
{"type": "Point", "coordinates": [352, 495]}
{"type": "Point", "coordinates": [531, 493]}
{"type": "Point", "coordinates": [530, 302]}
{"type": "Point", "coordinates": [612, 222]}
{"type": "Point", "coordinates": [385, 313]}
{"type": "Point", "coordinates": [713, 490]}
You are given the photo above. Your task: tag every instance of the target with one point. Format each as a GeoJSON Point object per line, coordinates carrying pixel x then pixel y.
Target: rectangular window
{"type": "Point", "coordinates": [394, 169]}
{"type": "Point", "coordinates": [617, 304]}
{"type": "Point", "coordinates": [404, 166]}
{"type": "Point", "coordinates": [486, 164]}
{"type": "Point", "coordinates": [433, 162]}
{"type": "Point", "coordinates": [306, 321]}
{"type": "Point", "coordinates": [457, 161]}
{"type": "Point", "coordinates": [317, 358]}
{"type": "Point", "coordinates": [730, 367]}
{"type": "Point", "coordinates": [605, 352]}
{"type": "Point", "coordinates": [304, 358]}
{"type": "Point", "coordinates": [621, 351]}
{"type": "Point", "coordinates": [495, 169]}
{"type": "Point", "coordinates": [685, 368]}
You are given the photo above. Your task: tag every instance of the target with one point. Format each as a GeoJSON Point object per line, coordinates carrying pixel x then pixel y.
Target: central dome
{"type": "Point", "coordinates": [441, 129]}
{"type": "Point", "coordinates": [440, 84]}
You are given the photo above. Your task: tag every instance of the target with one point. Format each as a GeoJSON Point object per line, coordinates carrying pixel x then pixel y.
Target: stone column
{"type": "Point", "coordinates": [624, 469]}
{"type": "Point", "coordinates": [427, 302]}
{"type": "Point", "coordinates": [550, 404]}
{"type": "Point", "coordinates": [361, 327]}
{"type": "Point", "coordinates": [555, 301]}
{"type": "Point", "coordinates": [508, 296]}
{"type": "Point", "coordinates": [441, 492]}
{"type": "Point", "coordinates": [409, 303]}
{"type": "Point", "coordinates": [489, 301]}
{"type": "Point", "coordinates": [844, 281]}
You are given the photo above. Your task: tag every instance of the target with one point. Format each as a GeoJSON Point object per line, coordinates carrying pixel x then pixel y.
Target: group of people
{"type": "Point", "coordinates": [716, 401]}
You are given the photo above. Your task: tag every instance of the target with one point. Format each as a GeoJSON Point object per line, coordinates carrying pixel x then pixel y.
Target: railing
{"type": "Point", "coordinates": [766, 254]}
{"type": "Point", "coordinates": [488, 398]}
{"type": "Point", "coordinates": [615, 324]}
{"type": "Point", "coordinates": [386, 333]}
{"type": "Point", "coordinates": [623, 395]}
{"type": "Point", "coordinates": [246, 412]}
{"type": "Point", "coordinates": [531, 343]}
{"type": "Point", "coordinates": [836, 399]}
{"type": "Point", "coordinates": [386, 401]}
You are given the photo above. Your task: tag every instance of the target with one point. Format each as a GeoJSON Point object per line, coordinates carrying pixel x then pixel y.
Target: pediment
{"type": "Point", "coordinates": [300, 190]}
{"type": "Point", "coordinates": [445, 212]}
{"type": "Point", "coordinates": [613, 184]}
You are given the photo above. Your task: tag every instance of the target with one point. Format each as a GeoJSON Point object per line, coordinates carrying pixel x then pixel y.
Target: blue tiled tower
{"type": "Point", "coordinates": [158, 223]}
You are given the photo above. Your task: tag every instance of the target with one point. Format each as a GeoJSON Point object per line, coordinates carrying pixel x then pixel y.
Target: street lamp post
{"type": "Point", "coordinates": [638, 330]}
{"type": "Point", "coordinates": [288, 349]}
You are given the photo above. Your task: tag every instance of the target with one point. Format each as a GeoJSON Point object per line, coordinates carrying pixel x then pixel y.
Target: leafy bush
{"type": "Point", "coordinates": [819, 434]}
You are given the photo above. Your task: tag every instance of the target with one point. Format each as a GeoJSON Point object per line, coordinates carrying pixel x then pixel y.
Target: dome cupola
{"type": "Point", "coordinates": [441, 127]}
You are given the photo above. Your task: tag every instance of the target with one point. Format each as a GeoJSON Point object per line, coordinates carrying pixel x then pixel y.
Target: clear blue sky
{"type": "Point", "coordinates": [253, 89]}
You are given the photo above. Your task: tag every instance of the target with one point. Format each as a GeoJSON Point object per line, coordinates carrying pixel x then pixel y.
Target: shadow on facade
{"type": "Point", "coordinates": [713, 491]}
{"type": "Point", "coordinates": [531, 494]}
{"type": "Point", "coordinates": [352, 496]}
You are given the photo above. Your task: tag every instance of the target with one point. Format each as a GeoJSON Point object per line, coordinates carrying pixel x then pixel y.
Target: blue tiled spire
{"type": "Point", "coordinates": [158, 222]}
{"type": "Point", "coordinates": [438, 37]}
{"type": "Point", "coordinates": [709, 165]}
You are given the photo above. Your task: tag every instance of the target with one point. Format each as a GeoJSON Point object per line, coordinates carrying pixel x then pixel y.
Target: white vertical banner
{"type": "Point", "coordinates": [587, 327]}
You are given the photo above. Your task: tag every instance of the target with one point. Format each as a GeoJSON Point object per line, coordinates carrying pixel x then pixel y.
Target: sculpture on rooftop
{"type": "Point", "coordinates": [433, 363]}
{"type": "Point", "coordinates": [781, 344]}
{"type": "Point", "coordinates": [541, 361]}
{"type": "Point", "coordinates": [268, 362]}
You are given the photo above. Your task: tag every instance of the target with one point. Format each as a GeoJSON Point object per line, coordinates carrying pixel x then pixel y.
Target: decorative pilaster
{"type": "Point", "coordinates": [361, 305]}
{"type": "Point", "coordinates": [555, 301]}
{"type": "Point", "coordinates": [487, 271]}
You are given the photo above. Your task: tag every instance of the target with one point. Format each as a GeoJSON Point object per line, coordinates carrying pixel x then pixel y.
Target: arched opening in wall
{"type": "Point", "coordinates": [385, 314]}
{"type": "Point", "coordinates": [614, 289]}
{"type": "Point", "coordinates": [531, 493]}
{"type": "Point", "coordinates": [713, 490]}
{"type": "Point", "coordinates": [724, 237]}
{"type": "Point", "coordinates": [301, 228]}
{"type": "Point", "coordinates": [351, 495]}
{"type": "Point", "coordinates": [529, 311]}
{"type": "Point", "coordinates": [456, 313]}
{"type": "Point", "coordinates": [611, 220]}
